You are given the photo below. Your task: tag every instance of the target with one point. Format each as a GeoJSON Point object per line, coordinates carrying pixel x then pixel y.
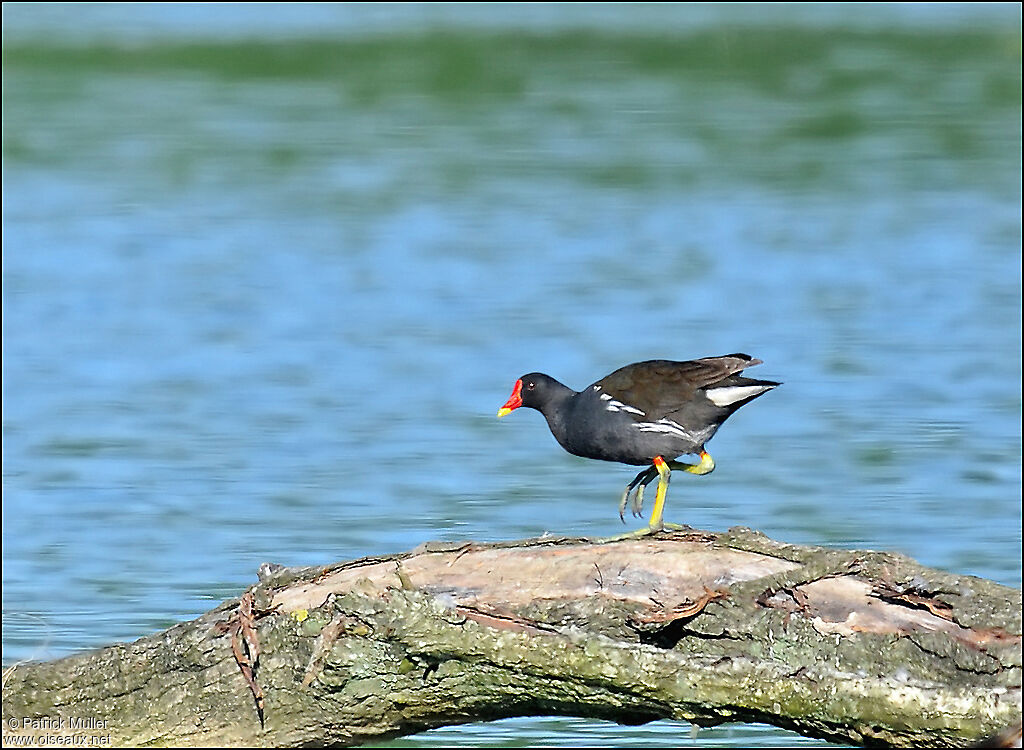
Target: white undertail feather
{"type": "Point", "coordinates": [730, 394]}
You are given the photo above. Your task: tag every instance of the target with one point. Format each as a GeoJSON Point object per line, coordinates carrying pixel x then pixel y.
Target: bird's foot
{"type": "Point", "coordinates": [706, 465]}
{"type": "Point", "coordinates": [625, 535]}
{"type": "Point", "coordinates": [639, 483]}
{"type": "Point", "coordinates": [646, 531]}
{"type": "Point", "coordinates": [638, 497]}
{"type": "Point", "coordinates": [676, 527]}
{"type": "Point", "coordinates": [622, 505]}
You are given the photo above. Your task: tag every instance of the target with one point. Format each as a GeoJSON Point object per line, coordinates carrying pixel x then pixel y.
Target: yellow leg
{"type": "Point", "coordinates": [664, 472]}
{"type": "Point", "coordinates": [706, 465]}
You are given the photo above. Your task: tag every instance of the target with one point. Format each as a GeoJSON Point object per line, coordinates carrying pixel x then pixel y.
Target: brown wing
{"type": "Point", "coordinates": [659, 386]}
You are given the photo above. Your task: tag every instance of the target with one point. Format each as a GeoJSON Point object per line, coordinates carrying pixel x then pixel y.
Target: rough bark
{"type": "Point", "coordinates": [862, 647]}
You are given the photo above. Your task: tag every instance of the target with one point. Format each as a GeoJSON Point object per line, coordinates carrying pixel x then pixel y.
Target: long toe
{"type": "Point", "coordinates": [622, 503]}
{"type": "Point", "coordinates": [644, 476]}
{"type": "Point", "coordinates": [638, 499]}
{"type": "Point", "coordinates": [627, 535]}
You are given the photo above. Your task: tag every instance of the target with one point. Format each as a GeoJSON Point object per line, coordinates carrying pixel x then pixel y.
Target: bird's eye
{"type": "Point", "coordinates": [530, 386]}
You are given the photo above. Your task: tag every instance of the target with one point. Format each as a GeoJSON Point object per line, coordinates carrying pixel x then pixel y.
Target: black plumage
{"type": "Point", "coordinates": [645, 413]}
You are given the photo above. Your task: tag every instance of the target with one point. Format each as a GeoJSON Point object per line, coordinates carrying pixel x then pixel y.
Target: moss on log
{"type": "Point", "coordinates": [860, 647]}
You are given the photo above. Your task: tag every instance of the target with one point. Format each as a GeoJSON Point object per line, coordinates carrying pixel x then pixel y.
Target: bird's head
{"type": "Point", "coordinates": [534, 390]}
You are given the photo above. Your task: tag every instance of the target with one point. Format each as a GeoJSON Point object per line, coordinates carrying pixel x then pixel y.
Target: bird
{"type": "Point", "coordinates": [649, 412]}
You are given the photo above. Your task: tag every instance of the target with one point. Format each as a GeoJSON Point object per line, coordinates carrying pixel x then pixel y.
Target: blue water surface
{"type": "Point", "coordinates": [269, 271]}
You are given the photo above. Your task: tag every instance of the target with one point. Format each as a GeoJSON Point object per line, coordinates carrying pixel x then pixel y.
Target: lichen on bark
{"type": "Point", "coordinates": [854, 646]}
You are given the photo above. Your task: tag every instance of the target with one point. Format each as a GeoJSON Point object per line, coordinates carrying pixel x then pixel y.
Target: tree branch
{"type": "Point", "coordinates": [859, 647]}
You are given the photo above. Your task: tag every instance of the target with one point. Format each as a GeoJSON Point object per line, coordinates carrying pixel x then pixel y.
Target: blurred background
{"type": "Point", "coordinates": [269, 271]}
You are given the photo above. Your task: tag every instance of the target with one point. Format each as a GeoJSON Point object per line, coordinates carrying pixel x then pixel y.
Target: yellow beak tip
{"type": "Point", "coordinates": [503, 411]}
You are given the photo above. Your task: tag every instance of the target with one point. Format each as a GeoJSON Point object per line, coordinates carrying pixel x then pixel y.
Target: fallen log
{"type": "Point", "coordinates": [853, 646]}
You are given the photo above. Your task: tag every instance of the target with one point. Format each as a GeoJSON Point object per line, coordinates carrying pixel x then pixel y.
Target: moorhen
{"type": "Point", "coordinates": [645, 413]}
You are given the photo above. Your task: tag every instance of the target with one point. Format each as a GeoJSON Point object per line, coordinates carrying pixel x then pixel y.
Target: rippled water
{"type": "Point", "coordinates": [268, 274]}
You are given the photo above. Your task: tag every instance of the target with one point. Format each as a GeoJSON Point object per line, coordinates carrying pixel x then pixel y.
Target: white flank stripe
{"type": "Point", "coordinates": [615, 405]}
{"type": "Point", "coordinates": [664, 425]}
{"type": "Point", "coordinates": [733, 393]}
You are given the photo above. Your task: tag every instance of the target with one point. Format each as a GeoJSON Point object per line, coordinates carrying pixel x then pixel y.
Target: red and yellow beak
{"type": "Point", "coordinates": [514, 401]}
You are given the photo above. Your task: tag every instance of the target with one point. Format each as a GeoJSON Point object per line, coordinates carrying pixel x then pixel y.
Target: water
{"type": "Point", "coordinates": [268, 273]}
